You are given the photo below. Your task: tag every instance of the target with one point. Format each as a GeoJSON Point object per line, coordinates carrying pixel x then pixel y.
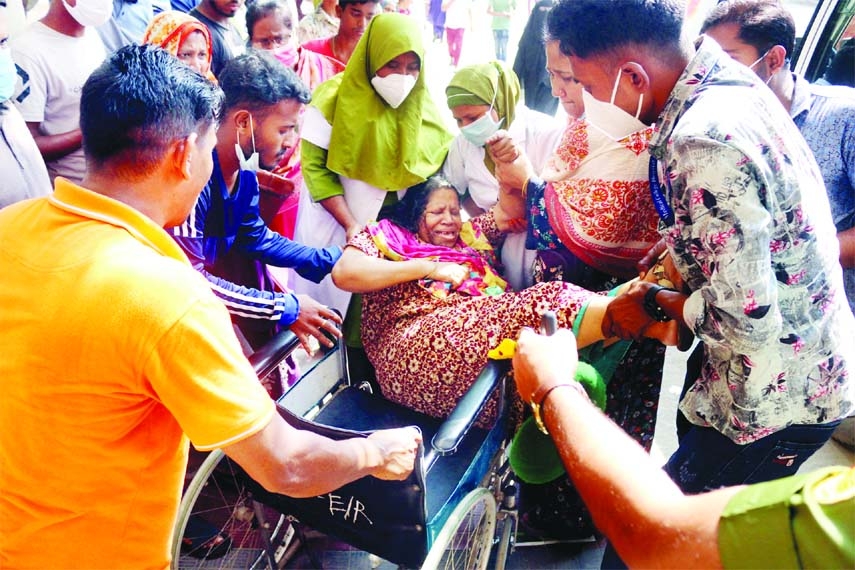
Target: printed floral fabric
{"type": "Point", "coordinates": [598, 197]}
{"type": "Point", "coordinates": [427, 351]}
{"type": "Point", "coordinates": [754, 241]}
{"type": "Point", "coordinates": [472, 250]}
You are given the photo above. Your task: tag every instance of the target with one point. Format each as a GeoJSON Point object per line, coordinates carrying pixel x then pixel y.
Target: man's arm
{"type": "Point", "coordinates": [632, 500]}
{"type": "Point", "coordinates": [260, 242]}
{"type": "Point", "coordinates": [847, 247]}
{"type": "Point", "coordinates": [303, 464]}
{"type": "Point", "coordinates": [53, 147]}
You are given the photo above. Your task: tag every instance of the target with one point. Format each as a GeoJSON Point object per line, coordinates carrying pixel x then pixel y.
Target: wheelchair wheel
{"type": "Point", "coordinates": [253, 535]}
{"type": "Point", "coordinates": [467, 537]}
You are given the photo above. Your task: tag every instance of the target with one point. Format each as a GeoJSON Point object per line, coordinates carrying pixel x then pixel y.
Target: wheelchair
{"type": "Point", "coordinates": [458, 503]}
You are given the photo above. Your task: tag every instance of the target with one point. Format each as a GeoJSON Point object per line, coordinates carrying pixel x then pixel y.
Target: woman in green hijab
{"type": "Point", "coordinates": [484, 98]}
{"type": "Point", "coordinates": [369, 133]}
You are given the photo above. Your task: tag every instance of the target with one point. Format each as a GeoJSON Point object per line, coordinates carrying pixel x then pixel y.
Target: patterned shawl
{"type": "Point", "coordinates": [398, 244]}
{"type": "Point", "coordinates": [598, 197]}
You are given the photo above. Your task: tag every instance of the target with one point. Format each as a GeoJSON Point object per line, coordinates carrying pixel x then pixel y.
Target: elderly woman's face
{"type": "Point", "coordinates": [440, 222]}
{"type": "Point", "coordinates": [194, 52]}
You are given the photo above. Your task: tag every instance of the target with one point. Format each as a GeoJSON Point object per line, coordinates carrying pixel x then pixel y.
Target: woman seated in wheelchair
{"type": "Point", "coordinates": [434, 303]}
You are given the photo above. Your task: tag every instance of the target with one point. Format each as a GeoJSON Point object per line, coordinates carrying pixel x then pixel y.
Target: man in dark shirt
{"type": "Point", "coordinates": [227, 41]}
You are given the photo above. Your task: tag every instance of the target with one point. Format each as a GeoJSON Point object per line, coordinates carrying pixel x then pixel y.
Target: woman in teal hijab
{"type": "Point", "coordinates": [483, 99]}
{"type": "Point", "coordinates": [369, 133]}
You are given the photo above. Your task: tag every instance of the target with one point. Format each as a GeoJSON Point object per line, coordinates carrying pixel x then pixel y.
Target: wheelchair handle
{"type": "Point", "coordinates": [548, 323]}
{"type": "Point", "coordinates": [462, 418]}
{"type": "Point", "coordinates": [267, 358]}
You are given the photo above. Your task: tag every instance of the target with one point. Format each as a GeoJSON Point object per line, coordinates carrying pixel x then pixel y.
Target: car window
{"type": "Point", "coordinates": [824, 52]}
{"type": "Point", "coordinates": [825, 37]}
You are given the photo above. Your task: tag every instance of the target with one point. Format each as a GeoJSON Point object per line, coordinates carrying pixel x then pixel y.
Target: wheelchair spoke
{"type": "Point", "coordinates": [465, 541]}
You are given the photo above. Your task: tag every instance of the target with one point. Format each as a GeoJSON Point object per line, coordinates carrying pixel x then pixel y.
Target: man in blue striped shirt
{"type": "Point", "coordinates": [263, 103]}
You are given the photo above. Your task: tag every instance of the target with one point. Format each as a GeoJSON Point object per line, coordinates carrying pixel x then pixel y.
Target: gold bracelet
{"type": "Point", "coordinates": [537, 406]}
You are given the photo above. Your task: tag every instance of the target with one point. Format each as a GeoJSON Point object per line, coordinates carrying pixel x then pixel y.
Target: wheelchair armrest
{"type": "Point", "coordinates": [463, 416]}
{"type": "Point", "coordinates": [267, 358]}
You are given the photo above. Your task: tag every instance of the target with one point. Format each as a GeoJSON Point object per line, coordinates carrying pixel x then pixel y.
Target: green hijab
{"type": "Point", "coordinates": [388, 148]}
{"type": "Point", "coordinates": [484, 84]}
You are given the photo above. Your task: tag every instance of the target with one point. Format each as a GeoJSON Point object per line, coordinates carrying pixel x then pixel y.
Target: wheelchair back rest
{"type": "Point", "coordinates": [324, 375]}
{"type": "Point", "coordinates": [386, 518]}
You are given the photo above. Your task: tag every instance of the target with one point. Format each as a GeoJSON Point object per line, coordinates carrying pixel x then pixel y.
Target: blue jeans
{"type": "Point", "coordinates": [500, 38]}
{"type": "Point", "coordinates": [706, 459]}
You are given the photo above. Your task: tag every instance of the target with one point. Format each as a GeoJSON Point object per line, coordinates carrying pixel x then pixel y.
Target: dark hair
{"type": "Point", "coordinates": [259, 9]}
{"type": "Point", "coordinates": [762, 23]}
{"type": "Point", "coordinates": [587, 28]}
{"type": "Point", "coordinates": [137, 103]}
{"type": "Point", "coordinates": [343, 3]}
{"type": "Point", "coordinates": [409, 210]}
{"type": "Point", "coordinates": [256, 81]}
{"type": "Point", "coordinates": [841, 69]}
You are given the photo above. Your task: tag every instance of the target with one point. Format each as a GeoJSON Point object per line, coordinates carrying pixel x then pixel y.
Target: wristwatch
{"type": "Point", "coordinates": [539, 398]}
{"type": "Point", "coordinates": [652, 308]}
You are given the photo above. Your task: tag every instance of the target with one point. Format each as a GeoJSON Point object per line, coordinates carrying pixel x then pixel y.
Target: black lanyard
{"type": "Point", "coordinates": [660, 201]}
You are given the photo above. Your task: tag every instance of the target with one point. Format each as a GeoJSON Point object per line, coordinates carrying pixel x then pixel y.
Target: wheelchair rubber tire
{"type": "Point", "coordinates": [217, 495]}
{"type": "Point", "coordinates": [464, 542]}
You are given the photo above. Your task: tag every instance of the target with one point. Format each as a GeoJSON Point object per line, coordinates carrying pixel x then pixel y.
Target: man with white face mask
{"type": "Point", "coordinates": [263, 103]}
{"type": "Point", "coordinates": [55, 56]}
{"type": "Point", "coordinates": [749, 230]}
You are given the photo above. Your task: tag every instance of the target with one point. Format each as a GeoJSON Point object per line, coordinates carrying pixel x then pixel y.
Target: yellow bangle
{"type": "Point", "coordinates": [538, 401]}
{"type": "Point", "coordinates": [524, 189]}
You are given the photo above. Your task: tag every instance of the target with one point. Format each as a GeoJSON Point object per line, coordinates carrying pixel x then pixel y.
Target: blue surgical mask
{"type": "Point", "coordinates": [478, 131]}
{"type": "Point", "coordinates": [8, 75]}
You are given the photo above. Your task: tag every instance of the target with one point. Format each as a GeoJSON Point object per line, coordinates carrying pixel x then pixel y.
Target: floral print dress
{"type": "Point", "coordinates": [427, 351]}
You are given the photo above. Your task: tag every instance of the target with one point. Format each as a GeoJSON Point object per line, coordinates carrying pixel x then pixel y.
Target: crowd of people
{"type": "Point", "coordinates": [179, 187]}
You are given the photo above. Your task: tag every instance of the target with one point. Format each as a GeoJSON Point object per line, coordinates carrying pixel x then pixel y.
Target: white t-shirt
{"type": "Point", "coordinates": [457, 15]}
{"type": "Point", "coordinates": [55, 67]}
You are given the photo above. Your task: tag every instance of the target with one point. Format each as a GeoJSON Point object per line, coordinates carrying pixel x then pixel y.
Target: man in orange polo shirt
{"type": "Point", "coordinates": [115, 347]}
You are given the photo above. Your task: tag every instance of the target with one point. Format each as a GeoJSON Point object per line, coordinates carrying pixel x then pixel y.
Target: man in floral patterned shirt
{"type": "Point", "coordinates": [762, 34]}
{"type": "Point", "coordinates": [748, 226]}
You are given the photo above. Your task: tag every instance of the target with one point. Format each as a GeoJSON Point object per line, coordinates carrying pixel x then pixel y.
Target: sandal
{"type": "Point", "coordinates": [203, 540]}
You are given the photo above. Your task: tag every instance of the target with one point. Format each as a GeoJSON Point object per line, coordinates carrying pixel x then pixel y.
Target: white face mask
{"type": "Point", "coordinates": [251, 163]}
{"type": "Point", "coordinates": [611, 119]}
{"type": "Point", "coordinates": [758, 60]}
{"type": "Point", "coordinates": [90, 13]}
{"type": "Point", "coordinates": [393, 88]}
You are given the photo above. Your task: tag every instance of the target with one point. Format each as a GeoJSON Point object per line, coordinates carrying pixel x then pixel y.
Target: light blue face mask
{"type": "Point", "coordinates": [478, 131]}
{"type": "Point", "coordinates": [8, 75]}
